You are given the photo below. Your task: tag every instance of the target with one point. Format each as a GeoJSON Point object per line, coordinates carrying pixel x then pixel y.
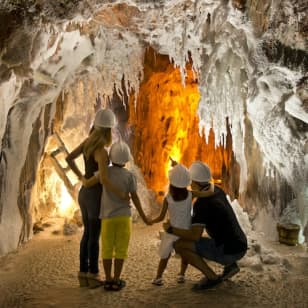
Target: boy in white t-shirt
{"type": "Point", "coordinates": [116, 215]}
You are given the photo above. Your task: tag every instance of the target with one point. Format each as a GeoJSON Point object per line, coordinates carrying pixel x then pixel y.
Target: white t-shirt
{"type": "Point", "coordinates": [180, 212]}
{"type": "Point", "coordinates": [111, 204]}
{"type": "Point", "coordinates": [180, 217]}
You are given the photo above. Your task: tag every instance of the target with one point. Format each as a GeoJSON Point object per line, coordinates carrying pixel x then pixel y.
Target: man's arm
{"type": "Point", "coordinates": [193, 234]}
{"type": "Point", "coordinates": [204, 193]}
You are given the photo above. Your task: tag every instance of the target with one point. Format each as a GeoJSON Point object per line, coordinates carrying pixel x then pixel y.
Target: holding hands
{"type": "Point", "coordinates": [166, 225]}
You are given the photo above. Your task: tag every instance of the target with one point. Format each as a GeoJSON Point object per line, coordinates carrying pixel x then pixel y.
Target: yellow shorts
{"type": "Point", "coordinates": [115, 235]}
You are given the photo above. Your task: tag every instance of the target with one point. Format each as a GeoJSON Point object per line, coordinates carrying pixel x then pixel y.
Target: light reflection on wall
{"type": "Point", "coordinates": [65, 206]}
{"type": "Point", "coordinates": [50, 195]}
{"type": "Point", "coordinates": [165, 124]}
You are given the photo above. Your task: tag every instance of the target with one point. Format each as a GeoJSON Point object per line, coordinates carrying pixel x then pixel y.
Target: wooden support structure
{"type": "Point", "coordinates": [62, 170]}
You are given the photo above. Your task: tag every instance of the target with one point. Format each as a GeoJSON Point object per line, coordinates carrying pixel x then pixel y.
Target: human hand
{"type": "Point", "coordinates": [166, 225]}
{"type": "Point", "coordinates": [173, 162]}
{"type": "Point", "coordinates": [153, 221]}
{"type": "Point", "coordinates": [148, 222]}
{"type": "Point", "coordinates": [84, 181]}
{"type": "Point", "coordinates": [125, 196]}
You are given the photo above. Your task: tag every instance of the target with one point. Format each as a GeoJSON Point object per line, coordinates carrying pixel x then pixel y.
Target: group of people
{"type": "Point", "coordinates": [104, 200]}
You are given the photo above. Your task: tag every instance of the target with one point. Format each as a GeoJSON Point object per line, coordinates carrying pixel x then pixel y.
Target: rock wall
{"type": "Point", "coordinates": [250, 58]}
{"type": "Point", "coordinates": [164, 124]}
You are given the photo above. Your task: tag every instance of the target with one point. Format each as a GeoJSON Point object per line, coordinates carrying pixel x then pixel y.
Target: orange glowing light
{"type": "Point", "coordinates": [166, 124]}
{"type": "Point", "coordinates": [66, 203]}
{"type": "Point", "coordinates": [175, 153]}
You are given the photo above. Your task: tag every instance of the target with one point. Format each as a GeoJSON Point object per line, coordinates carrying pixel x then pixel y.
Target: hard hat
{"type": "Point", "coordinates": [104, 118]}
{"type": "Point", "coordinates": [179, 176]}
{"type": "Point", "coordinates": [200, 172]}
{"type": "Point", "coordinates": [119, 153]}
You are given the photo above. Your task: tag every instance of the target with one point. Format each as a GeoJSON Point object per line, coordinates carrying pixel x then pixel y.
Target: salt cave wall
{"type": "Point", "coordinates": [250, 58]}
{"type": "Point", "coordinates": [74, 112]}
{"type": "Point", "coordinates": [164, 124]}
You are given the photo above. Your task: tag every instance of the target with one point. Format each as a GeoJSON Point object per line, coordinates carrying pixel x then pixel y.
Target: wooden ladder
{"type": "Point", "coordinates": [62, 171]}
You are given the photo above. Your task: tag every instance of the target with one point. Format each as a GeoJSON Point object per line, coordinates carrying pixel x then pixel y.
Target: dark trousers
{"type": "Point", "coordinates": [89, 201]}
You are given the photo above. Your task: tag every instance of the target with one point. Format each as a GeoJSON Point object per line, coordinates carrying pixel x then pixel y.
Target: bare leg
{"type": "Point", "coordinates": [186, 250]}
{"type": "Point", "coordinates": [117, 283]}
{"type": "Point", "coordinates": [184, 265]}
{"type": "Point", "coordinates": [161, 267]}
{"type": "Point", "coordinates": [118, 265]}
{"type": "Point", "coordinates": [107, 263]}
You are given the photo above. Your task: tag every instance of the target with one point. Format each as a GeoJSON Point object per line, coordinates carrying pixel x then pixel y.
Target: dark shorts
{"type": "Point", "coordinates": [207, 248]}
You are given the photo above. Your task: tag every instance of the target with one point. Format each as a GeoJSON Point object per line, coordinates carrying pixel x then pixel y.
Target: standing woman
{"type": "Point", "coordinates": [89, 198]}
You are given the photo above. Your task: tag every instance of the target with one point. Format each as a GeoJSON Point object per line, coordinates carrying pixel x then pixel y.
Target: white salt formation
{"type": "Point", "coordinates": [249, 62]}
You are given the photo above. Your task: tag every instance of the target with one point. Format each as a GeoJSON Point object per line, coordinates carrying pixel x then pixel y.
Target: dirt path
{"type": "Point", "coordinates": [43, 274]}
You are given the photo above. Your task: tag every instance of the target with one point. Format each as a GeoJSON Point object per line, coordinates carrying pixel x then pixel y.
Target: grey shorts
{"type": "Point", "coordinates": [207, 248]}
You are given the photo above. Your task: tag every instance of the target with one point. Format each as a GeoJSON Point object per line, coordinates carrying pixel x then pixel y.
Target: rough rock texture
{"type": "Point", "coordinates": [165, 124]}
{"type": "Point", "coordinates": [250, 61]}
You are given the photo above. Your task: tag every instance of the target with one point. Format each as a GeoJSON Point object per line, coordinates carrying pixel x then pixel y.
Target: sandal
{"type": "Point", "coordinates": [157, 281]}
{"type": "Point", "coordinates": [94, 281]}
{"type": "Point", "coordinates": [180, 279]}
{"type": "Point", "coordinates": [108, 285]}
{"type": "Point", "coordinates": [117, 285]}
{"type": "Point", "coordinates": [83, 280]}
{"type": "Point", "coordinates": [205, 284]}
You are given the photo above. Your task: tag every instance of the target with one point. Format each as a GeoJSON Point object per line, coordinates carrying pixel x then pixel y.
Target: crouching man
{"type": "Point", "coordinates": [226, 243]}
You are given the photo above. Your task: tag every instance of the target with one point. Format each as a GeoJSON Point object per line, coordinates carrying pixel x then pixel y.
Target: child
{"type": "Point", "coordinates": [178, 202]}
{"type": "Point", "coordinates": [116, 216]}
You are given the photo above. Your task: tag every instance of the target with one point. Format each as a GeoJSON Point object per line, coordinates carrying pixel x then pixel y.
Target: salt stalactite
{"type": "Point", "coordinates": [220, 44]}
{"type": "Point", "coordinates": [268, 102]}
{"type": "Point", "coordinates": [274, 131]}
{"type": "Point", "coordinates": [229, 86]}
{"type": "Point", "coordinates": [232, 73]}
{"type": "Point", "coordinates": [58, 63]}
{"type": "Point", "coordinates": [224, 77]}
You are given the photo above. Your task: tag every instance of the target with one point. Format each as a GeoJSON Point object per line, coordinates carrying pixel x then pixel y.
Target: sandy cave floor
{"type": "Point", "coordinates": [42, 273]}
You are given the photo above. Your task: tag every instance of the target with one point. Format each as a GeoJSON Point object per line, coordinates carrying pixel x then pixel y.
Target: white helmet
{"type": "Point", "coordinates": [104, 118]}
{"type": "Point", "coordinates": [119, 153]}
{"type": "Point", "coordinates": [200, 172]}
{"type": "Point", "coordinates": [179, 176]}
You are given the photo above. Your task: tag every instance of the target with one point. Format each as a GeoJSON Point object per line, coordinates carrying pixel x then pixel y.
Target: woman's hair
{"type": "Point", "coordinates": [99, 137]}
{"type": "Point", "coordinates": [178, 194]}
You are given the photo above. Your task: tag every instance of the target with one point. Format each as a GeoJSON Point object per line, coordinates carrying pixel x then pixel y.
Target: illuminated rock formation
{"type": "Point", "coordinates": [166, 125]}
{"type": "Point", "coordinates": [244, 64]}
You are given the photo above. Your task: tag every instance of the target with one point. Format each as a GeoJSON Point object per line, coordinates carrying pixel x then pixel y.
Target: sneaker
{"type": "Point", "coordinates": [157, 281]}
{"type": "Point", "coordinates": [205, 284]}
{"type": "Point", "coordinates": [180, 279]}
{"type": "Point", "coordinates": [230, 271]}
